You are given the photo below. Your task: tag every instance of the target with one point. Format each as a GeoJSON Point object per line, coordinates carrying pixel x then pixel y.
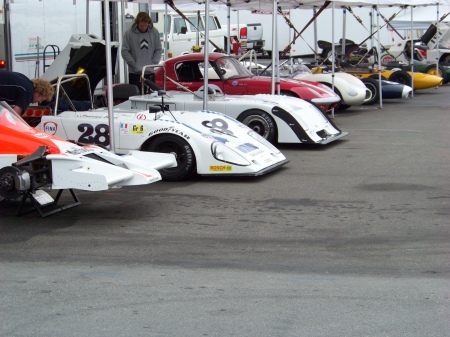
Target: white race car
{"type": "Point", "coordinates": [350, 89]}
{"type": "Point", "coordinates": [279, 119]}
{"type": "Point", "coordinates": [32, 161]}
{"type": "Point", "coordinates": [206, 142]}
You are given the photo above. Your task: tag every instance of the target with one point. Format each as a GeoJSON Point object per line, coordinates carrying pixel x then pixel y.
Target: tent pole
{"type": "Point", "coordinates": [333, 55]}
{"type": "Point", "coordinates": [274, 13]}
{"type": "Point", "coordinates": [344, 26]}
{"type": "Point", "coordinates": [112, 146]}
{"type": "Point", "coordinates": [411, 60]}
{"type": "Point", "coordinates": [438, 41]}
{"type": "Point", "coordinates": [316, 59]}
{"type": "Point", "coordinates": [229, 28]}
{"type": "Point", "coordinates": [379, 58]}
{"type": "Point", "coordinates": [206, 58]}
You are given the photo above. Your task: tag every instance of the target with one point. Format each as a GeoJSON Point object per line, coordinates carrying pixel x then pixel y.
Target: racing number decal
{"type": "Point", "coordinates": [218, 125]}
{"type": "Point", "coordinates": [99, 135]}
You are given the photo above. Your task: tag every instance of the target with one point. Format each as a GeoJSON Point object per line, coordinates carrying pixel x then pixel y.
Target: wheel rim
{"type": "Point", "coordinates": [171, 147]}
{"type": "Point", "coordinates": [258, 124]}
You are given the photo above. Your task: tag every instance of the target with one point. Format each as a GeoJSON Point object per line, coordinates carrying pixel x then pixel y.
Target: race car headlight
{"type": "Point", "coordinates": [227, 155]}
{"type": "Point", "coordinates": [263, 141]}
{"type": "Point", "coordinates": [350, 90]}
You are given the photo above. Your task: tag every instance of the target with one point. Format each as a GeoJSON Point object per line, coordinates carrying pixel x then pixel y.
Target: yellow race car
{"type": "Point", "coordinates": [415, 80]}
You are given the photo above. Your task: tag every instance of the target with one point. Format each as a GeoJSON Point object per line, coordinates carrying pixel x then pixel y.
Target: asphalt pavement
{"type": "Point", "coordinates": [348, 239]}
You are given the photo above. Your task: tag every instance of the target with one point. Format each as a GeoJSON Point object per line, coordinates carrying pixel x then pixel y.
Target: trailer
{"type": "Point", "coordinates": [32, 33]}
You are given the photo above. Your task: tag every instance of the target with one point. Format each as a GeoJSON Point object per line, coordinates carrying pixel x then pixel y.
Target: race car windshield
{"type": "Point", "coordinates": [231, 68]}
{"type": "Point", "coordinates": [10, 119]}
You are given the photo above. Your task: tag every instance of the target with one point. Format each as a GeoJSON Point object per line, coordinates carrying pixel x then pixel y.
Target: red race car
{"type": "Point", "coordinates": [234, 79]}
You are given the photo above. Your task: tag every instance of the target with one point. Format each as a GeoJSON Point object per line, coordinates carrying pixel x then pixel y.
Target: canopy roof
{"type": "Point", "coordinates": [284, 4]}
{"type": "Point", "coordinates": [423, 17]}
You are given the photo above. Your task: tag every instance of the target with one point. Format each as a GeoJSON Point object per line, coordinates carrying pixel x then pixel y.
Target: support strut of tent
{"type": "Point", "coordinates": [333, 55]}
{"type": "Point", "coordinates": [274, 46]}
{"type": "Point", "coordinates": [291, 26]}
{"type": "Point", "coordinates": [344, 26]}
{"type": "Point", "coordinates": [206, 57]}
{"type": "Point", "coordinates": [438, 40]}
{"type": "Point", "coordinates": [379, 57]}
{"type": "Point", "coordinates": [109, 75]}
{"type": "Point", "coordinates": [313, 19]}
{"type": "Point", "coordinates": [316, 53]}
{"type": "Point", "coordinates": [411, 59]}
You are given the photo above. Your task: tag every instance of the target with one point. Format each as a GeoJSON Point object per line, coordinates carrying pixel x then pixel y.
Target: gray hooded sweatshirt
{"type": "Point", "coordinates": [141, 49]}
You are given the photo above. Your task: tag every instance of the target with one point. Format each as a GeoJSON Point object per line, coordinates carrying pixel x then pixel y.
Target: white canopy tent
{"type": "Point", "coordinates": [423, 16]}
{"type": "Point", "coordinates": [269, 5]}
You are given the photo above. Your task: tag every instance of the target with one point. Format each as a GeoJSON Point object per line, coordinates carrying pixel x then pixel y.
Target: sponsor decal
{"type": "Point", "coordinates": [77, 151]}
{"type": "Point", "coordinates": [141, 117]}
{"type": "Point", "coordinates": [123, 129]}
{"type": "Point", "coordinates": [50, 128]}
{"type": "Point", "coordinates": [93, 116]}
{"type": "Point", "coordinates": [170, 129]}
{"type": "Point", "coordinates": [234, 83]}
{"type": "Point", "coordinates": [41, 135]}
{"type": "Point", "coordinates": [247, 148]}
{"type": "Point", "coordinates": [137, 129]}
{"type": "Point", "coordinates": [220, 168]}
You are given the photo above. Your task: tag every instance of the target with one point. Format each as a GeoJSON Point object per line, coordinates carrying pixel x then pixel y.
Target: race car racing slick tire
{"type": "Point", "coordinates": [372, 85]}
{"type": "Point", "coordinates": [431, 70]}
{"type": "Point", "coordinates": [401, 76]}
{"type": "Point", "coordinates": [184, 154]}
{"type": "Point", "coordinates": [260, 122]}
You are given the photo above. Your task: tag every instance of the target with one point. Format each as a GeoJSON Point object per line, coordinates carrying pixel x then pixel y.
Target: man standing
{"type": "Point", "coordinates": [141, 46]}
{"type": "Point", "coordinates": [18, 90]}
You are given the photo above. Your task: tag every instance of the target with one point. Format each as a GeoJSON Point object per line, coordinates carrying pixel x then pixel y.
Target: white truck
{"type": "Point", "coordinates": [182, 35]}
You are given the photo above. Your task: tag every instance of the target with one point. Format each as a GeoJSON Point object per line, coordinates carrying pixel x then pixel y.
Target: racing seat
{"type": "Point", "coordinates": [123, 91]}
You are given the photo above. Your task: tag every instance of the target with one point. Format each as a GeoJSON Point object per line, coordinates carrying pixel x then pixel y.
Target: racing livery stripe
{"type": "Point", "coordinates": [293, 124]}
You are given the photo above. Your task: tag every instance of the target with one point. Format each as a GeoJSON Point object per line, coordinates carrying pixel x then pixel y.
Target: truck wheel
{"type": "Point", "coordinates": [431, 69]}
{"type": "Point", "coordinates": [401, 76]}
{"type": "Point", "coordinates": [183, 152]}
{"type": "Point", "coordinates": [372, 85]}
{"type": "Point", "coordinates": [260, 122]}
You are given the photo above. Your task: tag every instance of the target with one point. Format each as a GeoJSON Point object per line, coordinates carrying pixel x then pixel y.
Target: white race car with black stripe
{"type": "Point", "coordinates": [279, 119]}
{"type": "Point", "coordinates": [206, 142]}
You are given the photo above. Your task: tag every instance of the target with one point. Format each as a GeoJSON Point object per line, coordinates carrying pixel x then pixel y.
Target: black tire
{"type": "Point", "coordinates": [183, 152]}
{"type": "Point", "coordinates": [431, 70]}
{"type": "Point", "coordinates": [260, 122]}
{"type": "Point", "coordinates": [372, 85]}
{"type": "Point", "coordinates": [401, 76]}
